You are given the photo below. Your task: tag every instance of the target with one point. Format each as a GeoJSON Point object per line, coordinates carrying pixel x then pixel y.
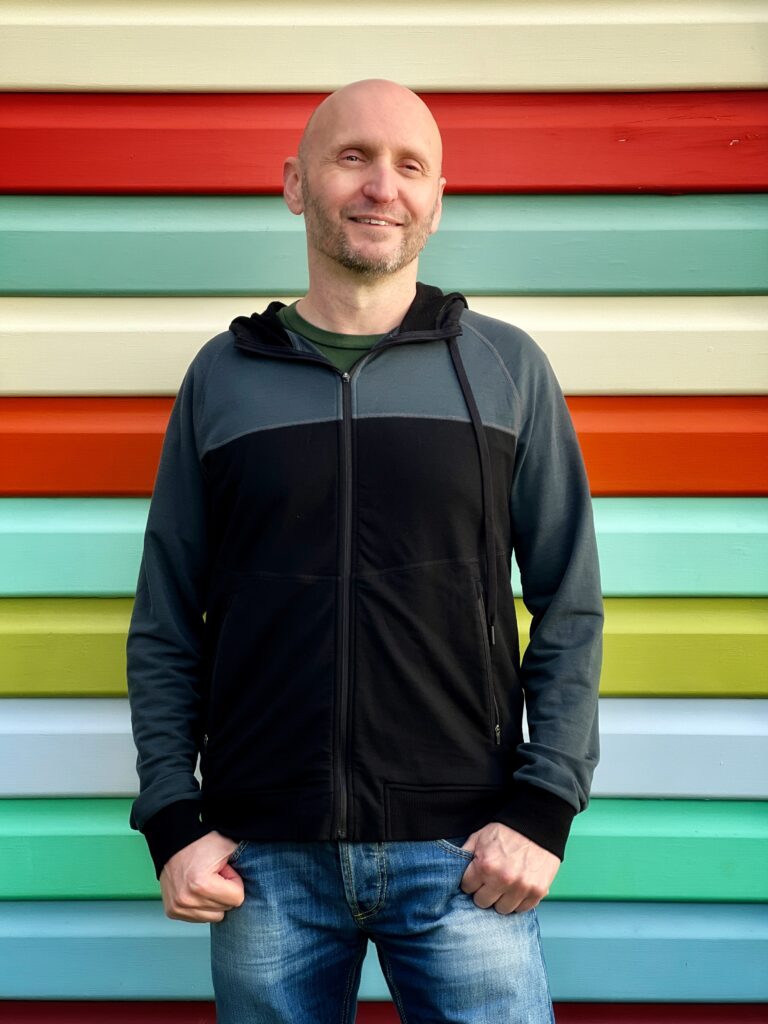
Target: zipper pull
{"type": "Point", "coordinates": [205, 740]}
{"type": "Point", "coordinates": [492, 634]}
{"type": "Point", "coordinates": [345, 377]}
{"type": "Point", "coordinates": [497, 733]}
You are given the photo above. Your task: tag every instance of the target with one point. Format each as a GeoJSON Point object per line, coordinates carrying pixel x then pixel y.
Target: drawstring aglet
{"type": "Point", "coordinates": [492, 634]}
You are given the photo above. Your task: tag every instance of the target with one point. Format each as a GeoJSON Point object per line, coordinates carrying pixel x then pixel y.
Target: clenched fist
{"type": "Point", "coordinates": [198, 884]}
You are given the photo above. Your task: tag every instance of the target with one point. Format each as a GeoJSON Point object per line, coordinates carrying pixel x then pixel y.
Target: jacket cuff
{"type": "Point", "coordinates": [540, 815]}
{"type": "Point", "coordinates": [171, 829]}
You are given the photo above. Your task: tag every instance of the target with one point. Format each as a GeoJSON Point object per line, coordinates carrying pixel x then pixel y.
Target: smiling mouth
{"type": "Point", "coordinates": [377, 222]}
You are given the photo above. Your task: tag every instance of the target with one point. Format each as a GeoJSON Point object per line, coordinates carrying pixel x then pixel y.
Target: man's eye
{"type": "Point", "coordinates": [351, 157]}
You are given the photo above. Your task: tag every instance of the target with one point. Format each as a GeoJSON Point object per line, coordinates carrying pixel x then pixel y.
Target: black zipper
{"type": "Point", "coordinates": [345, 574]}
{"type": "Point", "coordinates": [492, 703]}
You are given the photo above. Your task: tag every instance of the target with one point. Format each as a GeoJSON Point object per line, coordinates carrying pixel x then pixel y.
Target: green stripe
{"type": "Point", "coordinates": [715, 647]}
{"type": "Point", "coordinates": [619, 850]}
{"type": "Point", "coordinates": [648, 546]}
{"type": "Point", "coordinates": [505, 245]}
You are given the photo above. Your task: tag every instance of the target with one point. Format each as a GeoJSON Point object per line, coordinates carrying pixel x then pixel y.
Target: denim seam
{"type": "Point", "coordinates": [392, 986]}
{"type": "Point", "coordinates": [466, 855]}
{"type": "Point", "coordinates": [235, 855]}
{"type": "Point", "coordinates": [347, 1004]}
{"type": "Point", "coordinates": [363, 915]}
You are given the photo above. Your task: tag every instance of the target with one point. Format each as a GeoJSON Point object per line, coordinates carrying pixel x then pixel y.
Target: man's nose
{"type": "Point", "coordinates": [381, 184]}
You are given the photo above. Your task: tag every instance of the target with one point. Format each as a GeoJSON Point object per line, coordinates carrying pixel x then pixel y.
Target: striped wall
{"type": "Point", "coordinates": [608, 192]}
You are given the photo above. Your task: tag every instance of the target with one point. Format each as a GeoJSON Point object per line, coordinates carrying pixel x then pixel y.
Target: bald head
{"type": "Point", "coordinates": [372, 100]}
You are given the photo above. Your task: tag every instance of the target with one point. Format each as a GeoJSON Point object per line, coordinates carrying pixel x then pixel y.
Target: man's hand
{"type": "Point", "coordinates": [509, 872]}
{"type": "Point", "coordinates": [197, 883]}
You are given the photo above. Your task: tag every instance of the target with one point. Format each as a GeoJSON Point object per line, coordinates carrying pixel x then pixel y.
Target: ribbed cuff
{"type": "Point", "coordinates": [171, 829]}
{"type": "Point", "coordinates": [539, 815]}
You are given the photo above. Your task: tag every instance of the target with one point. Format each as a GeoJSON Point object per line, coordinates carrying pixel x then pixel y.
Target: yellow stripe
{"type": "Point", "coordinates": [671, 647]}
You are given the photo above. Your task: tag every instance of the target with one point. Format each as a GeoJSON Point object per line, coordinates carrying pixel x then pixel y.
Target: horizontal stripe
{"type": "Point", "coordinates": [141, 46]}
{"type": "Point", "coordinates": [603, 344]}
{"type": "Point", "coordinates": [665, 647]}
{"type": "Point", "coordinates": [100, 1012]}
{"type": "Point", "coordinates": [648, 546]}
{"type": "Point", "coordinates": [595, 951]}
{"type": "Point", "coordinates": [175, 245]}
{"type": "Point", "coordinates": [619, 850]}
{"type": "Point", "coordinates": [653, 647]}
{"type": "Point", "coordinates": [632, 446]}
{"type": "Point", "coordinates": [49, 748]}
{"type": "Point", "coordinates": [622, 142]}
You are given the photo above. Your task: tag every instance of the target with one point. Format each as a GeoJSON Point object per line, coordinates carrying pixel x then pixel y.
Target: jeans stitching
{"type": "Point", "coordinates": [455, 850]}
{"type": "Point", "coordinates": [363, 915]}
{"type": "Point", "coordinates": [234, 857]}
{"type": "Point", "coordinates": [346, 1005]}
{"type": "Point", "coordinates": [392, 986]}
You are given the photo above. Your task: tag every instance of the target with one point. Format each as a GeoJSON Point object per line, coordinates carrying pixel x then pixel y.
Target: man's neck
{"type": "Point", "coordinates": [350, 305]}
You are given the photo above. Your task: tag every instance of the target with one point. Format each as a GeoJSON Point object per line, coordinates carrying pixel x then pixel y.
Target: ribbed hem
{"type": "Point", "coordinates": [539, 815]}
{"type": "Point", "coordinates": [171, 829]}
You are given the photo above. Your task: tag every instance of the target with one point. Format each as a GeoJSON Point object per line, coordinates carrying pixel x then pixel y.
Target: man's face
{"type": "Point", "coordinates": [370, 182]}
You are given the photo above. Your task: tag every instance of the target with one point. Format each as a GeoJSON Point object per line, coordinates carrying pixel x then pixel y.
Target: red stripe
{"type": "Point", "coordinates": [496, 142]}
{"type": "Point", "coordinates": [17, 1012]}
{"type": "Point", "coordinates": [632, 446]}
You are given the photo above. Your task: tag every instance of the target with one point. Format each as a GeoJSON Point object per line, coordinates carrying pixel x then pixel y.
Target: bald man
{"type": "Point", "coordinates": [324, 615]}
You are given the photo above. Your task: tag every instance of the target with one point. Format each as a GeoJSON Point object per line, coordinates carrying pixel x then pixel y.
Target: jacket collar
{"type": "Point", "coordinates": [432, 316]}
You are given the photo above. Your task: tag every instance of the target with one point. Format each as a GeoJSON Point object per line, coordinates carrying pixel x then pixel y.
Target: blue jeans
{"type": "Point", "coordinates": [292, 953]}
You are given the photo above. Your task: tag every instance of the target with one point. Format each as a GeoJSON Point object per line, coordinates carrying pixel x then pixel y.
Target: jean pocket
{"type": "Point", "coordinates": [235, 855]}
{"type": "Point", "coordinates": [453, 845]}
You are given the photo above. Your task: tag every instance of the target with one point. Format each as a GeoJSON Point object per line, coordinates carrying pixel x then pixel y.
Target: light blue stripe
{"type": "Point", "coordinates": [648, 546]}
{"type": "Point", "coordinates": [492, 244]}
{"type": "Point", "coordinates": [594, 951]}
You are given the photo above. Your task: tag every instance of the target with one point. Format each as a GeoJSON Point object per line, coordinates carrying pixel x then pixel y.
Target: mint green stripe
{"type": "Point", "coordinates": [505, 245]}
{"type": "Point", "coordinates": [619, 850]}
{"type": "Point", "coordinates": [648, 546]}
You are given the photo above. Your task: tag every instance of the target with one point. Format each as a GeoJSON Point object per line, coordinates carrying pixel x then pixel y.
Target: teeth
{"type": "Point", "coordinates": [370, 220]}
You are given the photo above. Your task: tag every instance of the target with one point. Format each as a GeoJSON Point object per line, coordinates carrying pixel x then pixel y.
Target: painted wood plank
{"type": "Point", "coordinates": [665, 647]}
{"type": "Point", "coordinates": [598, 345]}
{"type": "Point", "coordinates": [632, 446]}
{"type": "Point", "coordinates": [492, 142]}
{"type": "Point", "coordinates": [138, 45]}
{"type": "Point", "coordinates": [594, 951]}
{"type": "Point", "coordinates": [84, 747]}
{"type": "Point", "coordinates": [206, 245]}
{"type": "Point", "coordinates": [681, 850]}
{"type": "Point", "coordinates": [50, 1012]}
{"type": "Point", "coordinates": [648, 546]}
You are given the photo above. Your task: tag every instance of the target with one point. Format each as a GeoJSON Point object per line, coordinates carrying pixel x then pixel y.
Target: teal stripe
{"type": "Point", "coordinates": [619, 850]}
{"type": "Point", "coordinates": [648, 546]}
{"type": "Point", "coordinates": [597, 952]}
{"type": "Point", "coordinates": [505, 245]}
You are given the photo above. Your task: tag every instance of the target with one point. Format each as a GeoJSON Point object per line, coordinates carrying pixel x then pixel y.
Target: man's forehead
{"type": "Point", "coordinates": [376, 113]}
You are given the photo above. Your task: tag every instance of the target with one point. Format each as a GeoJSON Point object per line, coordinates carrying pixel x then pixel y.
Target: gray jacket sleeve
{"type": "Point", "coordinates": [555, 548]}
{"type": "Point", "coordinates": [165, 638]}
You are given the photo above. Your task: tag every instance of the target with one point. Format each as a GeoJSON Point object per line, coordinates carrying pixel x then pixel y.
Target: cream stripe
{"type": "Point", "coordinates": [598, 345]}
{"type": "Point", "coordinates": [232, 44]}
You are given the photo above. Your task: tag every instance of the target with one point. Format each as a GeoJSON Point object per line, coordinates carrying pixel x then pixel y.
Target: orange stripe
{"type": "Point", "coordinates": [632, 445]}
{"type": "Point", "coordinates": [494, 142]}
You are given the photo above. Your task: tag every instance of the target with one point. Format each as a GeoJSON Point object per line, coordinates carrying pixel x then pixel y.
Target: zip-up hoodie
{"type": "Point", "coordinates": [324, 612]}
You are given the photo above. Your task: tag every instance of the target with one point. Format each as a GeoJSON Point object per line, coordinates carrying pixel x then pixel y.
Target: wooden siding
{"type": "Point", "coordinates": [594, 951]}
{"type": "Point", "coordinates": [101, 1012]}
{"type": "Point", "coordinates": [84, 747]}
{"type": "Point", "coordinates": [499, 142]}
{"type": "Point", "coordinates": [648, 546]}
{"type": "Point", "coordinates": [619, 850]}
{"type": "Point", "coordinates": [632, 446]}
{"type": "Point", "coordinates": [145, 45]}
{"type": "Point", "coordinates": [598, 345]}
{"type": "Point", "coordinates": [494, 245]}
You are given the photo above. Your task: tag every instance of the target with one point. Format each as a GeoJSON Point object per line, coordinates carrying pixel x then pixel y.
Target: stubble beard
{"type": "Point", "coordinates": [329, 238]}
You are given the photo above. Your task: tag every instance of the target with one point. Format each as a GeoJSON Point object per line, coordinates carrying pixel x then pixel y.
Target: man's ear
{"type": "Point", "coordinates": [292, 185]}
{"type": "Point", "coordinates": [438, 207]}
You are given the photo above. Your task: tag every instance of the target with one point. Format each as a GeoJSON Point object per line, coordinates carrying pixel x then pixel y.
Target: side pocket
{"type": "Point", "coordinates": [495, 720]}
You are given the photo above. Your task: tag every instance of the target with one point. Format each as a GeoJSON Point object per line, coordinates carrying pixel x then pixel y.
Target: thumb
{"type": "Point", "coordinates": [227, 871]}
